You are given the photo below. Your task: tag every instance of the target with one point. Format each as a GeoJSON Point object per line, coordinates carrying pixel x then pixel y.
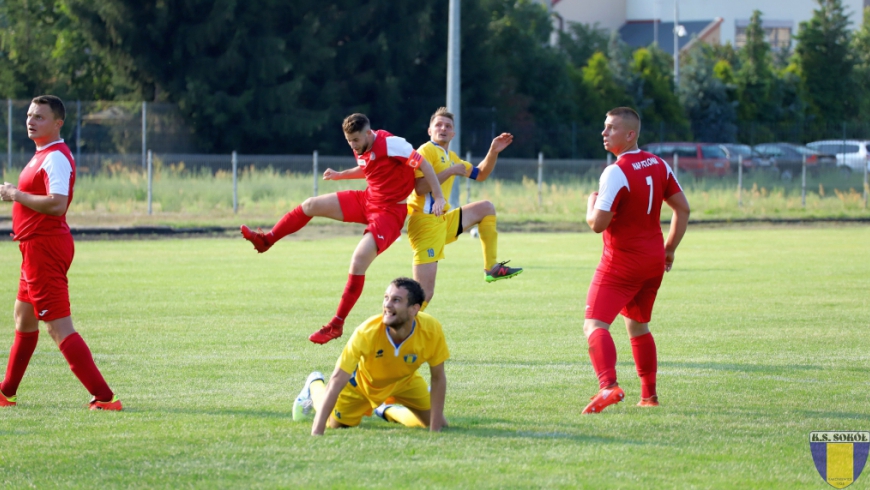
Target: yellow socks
{"type": "Point", "coordinates": [318, 391]}
{"type": "Point", "coordinates": [489, 241]}
{"type": "Point", "coordinates": [401, 415]}
{"type": "Point", "coordinates": [425, 304]}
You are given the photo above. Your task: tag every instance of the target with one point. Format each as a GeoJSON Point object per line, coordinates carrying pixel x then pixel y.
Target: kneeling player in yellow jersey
{"type": "Point", "coordinates": [380, 362]}
{"type": "Point", "coordinates": [428, 233]}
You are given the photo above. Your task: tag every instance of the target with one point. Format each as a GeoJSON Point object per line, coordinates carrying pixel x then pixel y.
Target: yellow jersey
{"type": "Point", "coordinates": [440, 159]}
{"type": "Point", "coordinates": [381, 366]}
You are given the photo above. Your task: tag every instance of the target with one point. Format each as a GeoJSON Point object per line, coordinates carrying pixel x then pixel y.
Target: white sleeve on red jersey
{"type": "Point", "coordinates": [398, 147]}
{"type": "Point", "coordinates": [672, 186]}
{"type": "Point", "coordinates": [612, 180]}
{"type": "Point", "coordinates": [58, 170]}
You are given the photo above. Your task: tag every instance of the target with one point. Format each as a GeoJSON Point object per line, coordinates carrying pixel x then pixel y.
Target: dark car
{"type": "Point", "coordinates": [701, 159]}
{"type": "Point", "coordinates": [751, 159]}
{"type": "Point", "coordinates": [787, 158]}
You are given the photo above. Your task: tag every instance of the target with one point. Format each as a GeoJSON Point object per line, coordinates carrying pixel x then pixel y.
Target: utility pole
{"type": "Point", "coordinates": [454, 98]}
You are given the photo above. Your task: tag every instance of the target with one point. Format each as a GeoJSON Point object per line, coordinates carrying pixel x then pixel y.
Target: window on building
{"type": "Point", "coordinates": [777, 33]}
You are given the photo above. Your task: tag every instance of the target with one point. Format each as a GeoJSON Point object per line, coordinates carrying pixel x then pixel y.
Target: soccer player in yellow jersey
{"type": "Point", "coordinates": [379, 365]}
{"type": "Point", "coordinates": [429, 233]}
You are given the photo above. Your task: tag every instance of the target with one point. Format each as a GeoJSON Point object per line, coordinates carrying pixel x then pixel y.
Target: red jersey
{"type": "Point", "coordinates": [389, 174]}
{"type": "Point", "coordinates": [634, 188]}
{"type": "Point", "coordinates": [52, 170]}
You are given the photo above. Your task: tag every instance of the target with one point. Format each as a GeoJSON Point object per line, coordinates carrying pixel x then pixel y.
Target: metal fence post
{"type": "Point", "coordinates": [540, 175]}
{"type": "Point", "coordinates": [468, 181]}
{"type": "Point", "coordinates": [9, 134]}
{"type": "Point", "coordinates": [804, 181]}
{"type": "Point", "coordinates": [235, 182]}
{"type": "Point", "coordinates": [78, 131]}
{"type": "Point", "coordinates": [144, 133]}
{"type": "Point", "coordinates": [740, 180]}
{"type": "Point", "coordinates": [150, 179]}
{"type": "Point", "coordinates": [866, 186]}
{"type": "Point", "coordinates": [676, 166]}
{"type": "Point", "coordinates": [314, 171]}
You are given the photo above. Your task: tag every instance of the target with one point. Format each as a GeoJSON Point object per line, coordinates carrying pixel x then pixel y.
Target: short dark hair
{"type": "Point", "coordinates": [54, 103]}
{"type": "Point", "coordinates": [355, 123]}
{"type": "Point", "coordinates": [626, 113]}
{"type": "Point", "coordinates": [442, 111]}
{"type": "Point", "coordinates": [415, 290]}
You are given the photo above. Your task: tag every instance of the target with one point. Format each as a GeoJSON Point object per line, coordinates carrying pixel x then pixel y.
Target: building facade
{"type": "Point", "coordinates": [780, 18]}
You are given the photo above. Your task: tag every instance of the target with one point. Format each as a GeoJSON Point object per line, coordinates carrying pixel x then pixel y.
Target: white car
{"type": "Point", "coordinates": [851, 154]}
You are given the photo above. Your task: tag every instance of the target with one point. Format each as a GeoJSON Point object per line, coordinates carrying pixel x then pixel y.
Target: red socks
{"type": "Point", "coordinates": [352, 291]}
{"type": "Point", "coordinates": [602, 351]}
{"type": "Point", "coordinates": [645, 359]}
{"type": "Point", "coordinates": [81, 362]}
{"type": "Point", "coordinates": [19, 357]}
{"type": "Point", "coordinates": [290, 223]}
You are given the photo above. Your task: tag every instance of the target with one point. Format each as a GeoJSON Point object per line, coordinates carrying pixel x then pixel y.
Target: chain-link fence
{"type": "Point", "coordinates": [114, 138]}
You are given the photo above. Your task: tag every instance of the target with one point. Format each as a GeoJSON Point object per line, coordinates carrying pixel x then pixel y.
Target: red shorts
{"type": "Point", "coordinates": [384, 222]}
{"type": "Point", "coordinates": [610, 295]}
{"type": "Point", "coordinates": [43, 284]}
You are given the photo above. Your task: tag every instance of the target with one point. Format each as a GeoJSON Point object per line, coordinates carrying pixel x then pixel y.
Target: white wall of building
{"type": "Point", "coordinates": [609, 14]}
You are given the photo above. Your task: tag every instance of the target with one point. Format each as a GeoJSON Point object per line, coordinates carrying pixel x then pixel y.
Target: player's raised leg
{"type": "Point", "coordinates": [602, 352]}
{"type": "Point", "coordinates": [365, 253]}
{"type": "Point", "coordinates": [643, 349]}
{"type": "Point", "coordinates": [26, 338]}
{"type": "Point", "coordinates": [482, 214]}
{"type": "Point", "coordinates": [326, 206]}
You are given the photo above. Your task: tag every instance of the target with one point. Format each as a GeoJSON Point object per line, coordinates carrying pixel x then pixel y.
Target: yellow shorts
{"type": "Point", "coordinates": [429, 233]}
{"type": "Point", "coordinates": [353, 404]}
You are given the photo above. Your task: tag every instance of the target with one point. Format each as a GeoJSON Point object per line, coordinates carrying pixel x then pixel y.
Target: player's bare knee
{"type": "Point", "coordinates": [309, 206]}
{"type": "Point", "coordinates": [488, 209]}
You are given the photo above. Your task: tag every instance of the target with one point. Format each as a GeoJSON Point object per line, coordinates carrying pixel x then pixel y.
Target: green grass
{"type": "Point", "coordinates": [761, 332]}
{"type": "Point", "coordinates": [181, 198]}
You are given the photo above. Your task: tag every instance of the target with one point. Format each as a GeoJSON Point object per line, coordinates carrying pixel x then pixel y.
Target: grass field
{"type": "Point", "coordinates": [762, 338]}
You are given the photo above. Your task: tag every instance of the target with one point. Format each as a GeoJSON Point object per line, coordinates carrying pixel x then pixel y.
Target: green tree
{"type": "Point", "coordinates": [42, 50]}
{"type": "Point", "coordinates": [755, 80]}
{"type": "Point", "coordinates": [270, 75]}
{"type": "Point", "coordinates": [705, 97]}
{"type": "Point", "coordinates": [581, 41]}
{"type": "Point", "coordinates": [656, 100]}
{"type": "Point", "coordinates": [534, 77]}
{"type": "Point", "coordinates": [861, 50]}
{"type": "Point", "coordinates": [825, 61]}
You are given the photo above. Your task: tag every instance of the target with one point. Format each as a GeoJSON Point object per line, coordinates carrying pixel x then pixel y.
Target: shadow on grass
{"type": "Point", "coordinates": [745, 368]}
{"type": "Point", "coordinates": [482, 428]}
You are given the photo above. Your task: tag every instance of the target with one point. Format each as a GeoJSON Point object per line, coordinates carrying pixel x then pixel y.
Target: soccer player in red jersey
{"type": "Point", "coordinates": [39, 204]}
{"type": "Point", "coordinates": [627, 209]}
{"type": "Point", "coordinates": [387, 163]}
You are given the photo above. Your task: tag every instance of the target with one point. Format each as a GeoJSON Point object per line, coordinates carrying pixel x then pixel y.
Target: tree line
{"type": "Point", "coordinates": [271, 76]}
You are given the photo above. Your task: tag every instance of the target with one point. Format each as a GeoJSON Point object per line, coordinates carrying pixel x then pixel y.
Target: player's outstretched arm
{"type": "Point", "coordinates": [337, 382]}
{"type": "Point", "coordinates": [486, 166]}
{"type": "Point", "coordinates": [679, 224]}
{"type": "Point", "coordinates": [422, 186]}
{"type": "Point", "coordinates": [52, 204]}
{"type": "Point", "coordinates": [432, 180]}
{"type": "Point", "coordinates": [351, 173]}
{"type": "Point", "coordinates": [437, 394]}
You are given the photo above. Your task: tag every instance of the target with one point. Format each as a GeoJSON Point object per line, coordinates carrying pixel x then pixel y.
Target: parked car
{"type": "Point", "coordinates": [787, 158]}
{"type": "Point", "coordinates": [751, 159]}
{"type": "Point", "coordinates": [850, 154]}
{"type": "Point", "coordinates": [701, 159]}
